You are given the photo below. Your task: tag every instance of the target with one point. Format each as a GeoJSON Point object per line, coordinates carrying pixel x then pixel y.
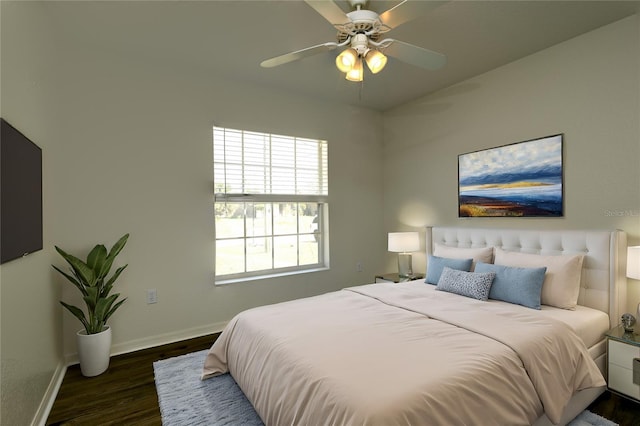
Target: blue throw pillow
{"type": "Point", "coordinates": [436, 265]}
{"type": "Point", "coordinates": [469, 284]}
{"type": "Point", "coordinates": [522, 286]}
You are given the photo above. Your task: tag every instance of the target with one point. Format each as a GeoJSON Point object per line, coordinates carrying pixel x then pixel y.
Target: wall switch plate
{"type": "Point", "coordinates": [152, 296]}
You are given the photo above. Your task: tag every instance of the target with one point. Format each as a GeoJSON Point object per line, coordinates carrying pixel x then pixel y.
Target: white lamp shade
{"type": "Point", "coordinates": [346, 60]}
{"type": "Point", "coordinates": [375, 61]}
{"type": "Point", "coordinates": [404, 242]}
{"type": "Point", "coordinates": [633, 262]}
{"type": "Point", "coordinates": [356, 73]}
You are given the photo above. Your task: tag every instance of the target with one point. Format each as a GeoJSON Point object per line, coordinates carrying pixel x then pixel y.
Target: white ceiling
{"type": "Point", "coordinates": [231, 38]}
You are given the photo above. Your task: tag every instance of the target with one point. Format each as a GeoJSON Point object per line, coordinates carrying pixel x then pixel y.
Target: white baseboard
{"type": "Point", "coordinates": [161, 339]}
{"type": "Point", "coordinates": [40, 418]}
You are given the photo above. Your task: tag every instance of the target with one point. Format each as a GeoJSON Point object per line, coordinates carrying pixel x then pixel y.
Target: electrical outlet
{"type": "Point", "coordinates": [152, 296]}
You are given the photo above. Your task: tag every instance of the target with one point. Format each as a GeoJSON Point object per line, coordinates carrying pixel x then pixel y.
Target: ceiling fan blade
{"type": "Point", "coordinates": [407, 10]}
{"type": "Point", "coordinates": [329, 11]}
{"type": "Point", "coordinates": [414, 55]}
{"type": "Point", "coordinates": [298, 54]}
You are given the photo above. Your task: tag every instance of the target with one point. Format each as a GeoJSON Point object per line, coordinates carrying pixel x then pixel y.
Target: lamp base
{"type": "Point", "coordinates": [404, 265]}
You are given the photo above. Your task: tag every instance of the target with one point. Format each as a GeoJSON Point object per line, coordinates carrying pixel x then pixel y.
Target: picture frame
{"type": "Point", "coordinates": [522, 179]}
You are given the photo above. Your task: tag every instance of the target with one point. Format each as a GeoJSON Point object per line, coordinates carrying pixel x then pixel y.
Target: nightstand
{"type": "Point", "coordinates": [623, 358]}
{"type": "Point", "coordinates": [395, 278]}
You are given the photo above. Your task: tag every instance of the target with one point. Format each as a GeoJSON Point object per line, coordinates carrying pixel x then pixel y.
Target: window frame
{"type": "Point", "coordinates": [270, 198]}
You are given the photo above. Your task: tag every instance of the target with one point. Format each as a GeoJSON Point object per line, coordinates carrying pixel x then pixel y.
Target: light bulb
{"type": "Point", "coordinates": [375, 61]}
{"type": "Point", "coordinates": [346, 60]}
{"type": "Point", "coordinates": [356, 73]}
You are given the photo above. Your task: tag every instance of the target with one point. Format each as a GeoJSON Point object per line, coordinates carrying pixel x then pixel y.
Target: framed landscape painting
{"type": "Point", "coordinates": [523, 179]}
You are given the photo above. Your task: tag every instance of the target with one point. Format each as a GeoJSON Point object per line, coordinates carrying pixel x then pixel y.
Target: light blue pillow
{"type": "Point", "coordinates": [436, 265]}
{"type": "Point", "coordinates": [522, 286]}
{"type": "Point", "coordinates": [469, 284]}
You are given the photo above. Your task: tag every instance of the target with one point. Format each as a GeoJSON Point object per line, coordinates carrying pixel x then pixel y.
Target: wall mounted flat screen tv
{"type": "Point", "coordinates": [21, 194]}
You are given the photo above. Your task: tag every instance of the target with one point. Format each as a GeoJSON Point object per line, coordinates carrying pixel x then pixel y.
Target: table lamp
{"type": "Point", "coordinates": [633, 267]}
{"type": "Point", "coordinates": [404, 243]}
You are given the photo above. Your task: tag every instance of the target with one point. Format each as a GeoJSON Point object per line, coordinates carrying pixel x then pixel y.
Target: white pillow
{"type": "Point", "coordinates": [484, 255]}
{"type": "Point", "coordinates": [561, 282]}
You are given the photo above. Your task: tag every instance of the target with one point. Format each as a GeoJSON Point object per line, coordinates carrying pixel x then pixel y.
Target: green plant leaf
{"type": "Point", "coordinates": [95, 327]}
{"type": "Point", "coordinates": [106, 267]}
{"type": "Point", "coordinates": [117, 247]}
{"type": "Point", "coordinates": [107, 287]}
{"type": "Point", "coordinates": [73, 280]}
{"type": "Point", "coordinates": [103, 305]}
{"type": "Point", "coordinates": [78, 314]}
{"type": "Point", "coordinates": [113, 309]}
{"type": "Point", "coordinates": [115, 250]}
{"type": "Point", "coordinates": [81, 269]}
{"type": "Point", "coordinates": [96, 258]}
{"type": "Point", "coordinates": [91, 299]}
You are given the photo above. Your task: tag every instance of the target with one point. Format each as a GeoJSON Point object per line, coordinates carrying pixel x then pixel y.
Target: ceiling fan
{"type": "Point", "coordinates": [362, 31]}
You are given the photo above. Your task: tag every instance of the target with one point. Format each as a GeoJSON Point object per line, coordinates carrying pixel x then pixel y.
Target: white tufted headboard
{"type": "Point", "coordinates": [603, 284]}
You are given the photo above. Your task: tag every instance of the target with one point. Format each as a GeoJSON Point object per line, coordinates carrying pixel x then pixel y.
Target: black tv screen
{"type": "Point", "coordinates": [21, 196]}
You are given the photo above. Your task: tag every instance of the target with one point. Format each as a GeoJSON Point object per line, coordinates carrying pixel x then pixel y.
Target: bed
{"type": "Point", "coordinates": [408, 353]}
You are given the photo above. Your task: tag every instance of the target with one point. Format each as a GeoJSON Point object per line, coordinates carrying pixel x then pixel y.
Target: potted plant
{"type": "Point", "coordinates": [90, 278]}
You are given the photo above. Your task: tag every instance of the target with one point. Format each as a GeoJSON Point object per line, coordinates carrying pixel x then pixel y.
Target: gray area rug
{"type": "Point", "coordinates": [186, 400]}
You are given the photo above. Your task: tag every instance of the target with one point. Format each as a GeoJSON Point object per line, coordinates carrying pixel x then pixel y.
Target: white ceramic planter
{"type": "Point", "coordinates": [94, 351]}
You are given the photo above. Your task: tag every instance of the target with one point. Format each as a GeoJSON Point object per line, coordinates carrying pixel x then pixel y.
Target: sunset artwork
{"type": "Point", "coordinates": [519, 180]}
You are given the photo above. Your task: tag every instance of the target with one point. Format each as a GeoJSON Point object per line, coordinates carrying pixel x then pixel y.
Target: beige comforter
{"type": "Point", "coordinates": [390, 354]}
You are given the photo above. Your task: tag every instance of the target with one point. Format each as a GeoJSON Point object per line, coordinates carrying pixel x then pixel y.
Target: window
{"type": "Point", "coordinates": [270, 203]}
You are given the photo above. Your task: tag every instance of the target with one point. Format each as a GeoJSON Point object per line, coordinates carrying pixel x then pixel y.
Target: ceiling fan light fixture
{"type": "Point", "coordinates": [357, 72]}
{"type": "Point", "coordinates": [375, 61]}
{"type": "Point", "coordinates": [346, 60]}
{"type": "Point", "coordinates": [360, 33]}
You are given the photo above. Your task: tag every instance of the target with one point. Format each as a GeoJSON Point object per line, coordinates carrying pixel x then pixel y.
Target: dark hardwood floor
{"type": "Point", "coordinates": [616, 408]}
{"type": "Point", "coordinates": [123, 395]}
{"type": "Point", "coordinates": [126, 394]}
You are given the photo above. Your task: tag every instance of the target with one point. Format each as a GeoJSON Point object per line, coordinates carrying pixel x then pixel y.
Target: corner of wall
{"type": "Point", "coordinates": [40, 418]}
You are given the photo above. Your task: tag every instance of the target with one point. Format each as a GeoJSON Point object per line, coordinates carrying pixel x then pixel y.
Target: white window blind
{"type": "Point", "coordinates": [270, 204]}
{"type": "Point", "coordinates": [260, 163]}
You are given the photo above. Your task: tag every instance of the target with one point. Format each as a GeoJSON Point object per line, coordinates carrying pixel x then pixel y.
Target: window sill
{"type": "Point", "coordinates": [268, 276]}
